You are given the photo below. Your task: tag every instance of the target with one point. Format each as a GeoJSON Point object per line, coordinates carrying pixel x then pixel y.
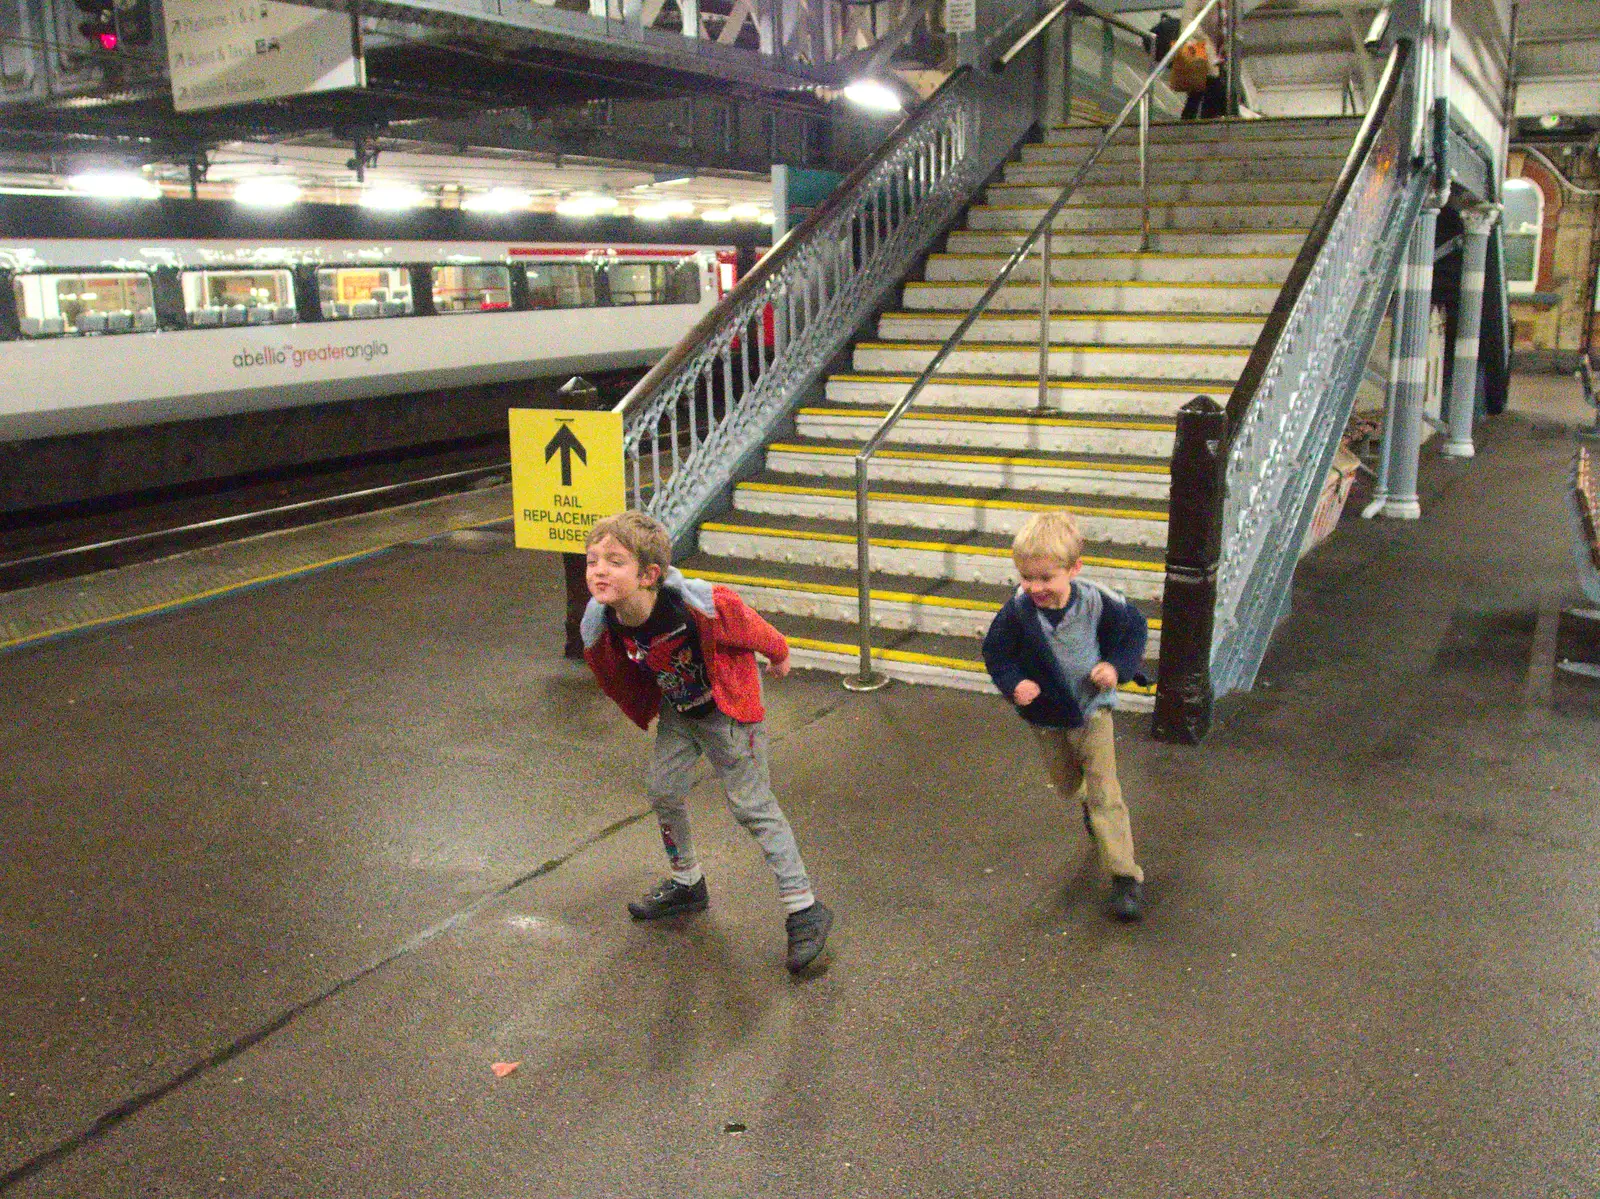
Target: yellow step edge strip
{"type": "Point", "coordinates": [1200, 318]}
{"type": "Point", "coordinates": [1165, 255]}
{"type": "Point", "coordinates": [1054, 422]}
{"type": "Point", "coordinates": [901, 597]}
{"type": "Point", "coordinates": [1285, 232]}
{"type": "Point", "coordinates": [966, 665]}
{"type": "Point", "coordinates": [1055, 345]}
{"type": "Point", "coordinates": [834, 589]}
{"type": "Point", "coordinates": [1230, 204]}
{"type": "Point", "coordinates": [1034, 286]}
{"type": "Point", "coordinates": [1033, 384]}
{"type": "Point", "coordinates": [901, 543]}
{"type": "Point", "coordinates": [828, 451]}
{"type": "Point", "coordinates": [956, 501]}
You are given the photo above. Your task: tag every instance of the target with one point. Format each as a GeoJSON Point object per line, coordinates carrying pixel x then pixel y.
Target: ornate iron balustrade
{"type": "Point", "coordinates": [1257, 470]}
{"type": "Point", "coordinates": [708, 405]}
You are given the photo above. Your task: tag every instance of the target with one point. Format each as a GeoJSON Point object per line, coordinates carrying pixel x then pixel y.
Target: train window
{"type": "Point", "coordinates": [654, 282]}
{"type": "Point", "coordinates": [213, 298]}
{"type": "Point", "coordinates": [354, 293]}
{"type": "Point", "coordinates": [51, 305]}
{"type": "Point", "coordinates": [471, 288]}
{"type": "Point", "coordinates": [561, 285]}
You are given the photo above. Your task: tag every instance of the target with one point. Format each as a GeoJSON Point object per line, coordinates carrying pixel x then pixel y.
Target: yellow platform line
{"type": "Point", "coordinates": [1055, 345]}
{"type": "Point", "coordinates": [1033, 384]}
{"type": "Point", "coordinates": [1056, 422]}
{"type": "Point", "coordinates": [1034, 286]}
{"type": "Point", "coordinates": [903, 597]}
{"type": "Point", "coordinates": [828, 451]}
{"type": "Point", "coordinates": [956, 501]}
{"type": "Point", "coordinates": [1228, 318]}
{"type": "Point", "coordinates": [902, 543]}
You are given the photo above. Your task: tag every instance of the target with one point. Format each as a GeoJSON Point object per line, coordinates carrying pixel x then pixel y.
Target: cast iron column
{"type": "Point", "coordinates": [1411, 381]}
{"type": "Point", "coordinates": [1464, 373]}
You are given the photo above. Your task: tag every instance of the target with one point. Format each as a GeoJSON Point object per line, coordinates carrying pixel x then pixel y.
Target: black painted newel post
{"type": "Point", "coordinates": [1194, 544]}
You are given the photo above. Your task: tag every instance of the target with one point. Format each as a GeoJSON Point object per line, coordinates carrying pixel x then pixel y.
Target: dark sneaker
{"type": "Point", "coordinates": [1127, 897]}
{"type": "Point", "coordinates": [1088, 825]}
{"type": "Point", "coordinates": [670, 898]}
{"type": "Point", "coordinates": [808, 933]}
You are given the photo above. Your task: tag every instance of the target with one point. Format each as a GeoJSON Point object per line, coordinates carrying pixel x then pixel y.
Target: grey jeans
{"type": "Point", "coordinates": [738, 754]}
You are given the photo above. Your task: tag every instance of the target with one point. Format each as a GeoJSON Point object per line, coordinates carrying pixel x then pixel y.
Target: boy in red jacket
{"type": "Point", "coordinates": [661, 644]}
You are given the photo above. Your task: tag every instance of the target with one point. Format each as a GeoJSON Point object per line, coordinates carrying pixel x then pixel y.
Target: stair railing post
{"type": "Point", "coordinates": [865, 679]}
{"type": "Point", "coordinates": [1194, 548]}
{"type": "Point", "coordinates": [1144, 170]}
{"type": "Point", "coordinates": [1044, 319]}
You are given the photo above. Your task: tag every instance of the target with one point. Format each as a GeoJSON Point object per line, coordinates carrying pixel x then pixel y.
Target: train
{"type": "Point", "coordinates": [100, 335]}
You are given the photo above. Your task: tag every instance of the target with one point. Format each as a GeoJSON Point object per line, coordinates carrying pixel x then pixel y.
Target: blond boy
{"type": "Point", "coordinates": [1057, 650]}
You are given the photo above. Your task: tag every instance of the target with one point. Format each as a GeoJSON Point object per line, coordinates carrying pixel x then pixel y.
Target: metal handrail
{"type": "Point", "coordinates": [1255, 367]}
{"type": "Point", "coordinates": [865, 679]}
{"type": "Point", "coordinates": [1050, 18]}
{"type": "Point", "coordinates": [775, 259]}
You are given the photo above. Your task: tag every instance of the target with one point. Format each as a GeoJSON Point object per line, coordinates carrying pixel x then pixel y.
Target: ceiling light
{"type": "Point", "coordinates": [745, 212]}
{"type": "Point", "coordinates": [499, 199]}
{"type": "Point", "coordinates": [673, 179]}
{"type": "Point", "coordinates": [651, 212]}
{"type": "Point", "coordinates": [717, 216]}
{"type": "Point", "coordinates": [586, 205]}
{"type": "Point", "coordinates": [266, 192]}
{"type": "Point", "coordinates": [766, 218]}
{"type": "Point", "coordinates": [114, 185]}
{"type": "Point", "coordinates": [873, 96]}
{"type": "Point", "coordinates": [1550, 120]}
{"type": "Point", "coordinates": [392, 198]}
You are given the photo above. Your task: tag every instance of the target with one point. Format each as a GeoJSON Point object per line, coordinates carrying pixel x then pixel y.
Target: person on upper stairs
{"type": "Point", "coordinates": [1197, 68]}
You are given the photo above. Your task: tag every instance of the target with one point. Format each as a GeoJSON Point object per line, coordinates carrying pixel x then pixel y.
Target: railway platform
{"type": "Point", "coordinates": [287, 872]}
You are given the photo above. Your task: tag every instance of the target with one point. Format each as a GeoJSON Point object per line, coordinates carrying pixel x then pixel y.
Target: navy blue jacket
{"type": "Point", "coordinates": [1015, 648]}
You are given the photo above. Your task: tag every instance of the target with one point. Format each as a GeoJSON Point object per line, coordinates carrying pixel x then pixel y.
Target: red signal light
{"type": "Point", "coordinates": [108, 41]}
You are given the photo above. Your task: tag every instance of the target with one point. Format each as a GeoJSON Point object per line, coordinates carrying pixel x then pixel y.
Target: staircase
{"type": "Point", "coordinates": [1134, 335]}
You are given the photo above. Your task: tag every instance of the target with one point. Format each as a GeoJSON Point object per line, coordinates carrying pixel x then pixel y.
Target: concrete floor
{"type": "Point", "coordinates": [284, 875]}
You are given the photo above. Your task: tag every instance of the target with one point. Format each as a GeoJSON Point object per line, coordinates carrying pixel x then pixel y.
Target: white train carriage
{"type": "Point", "coordinates": [98, 335]}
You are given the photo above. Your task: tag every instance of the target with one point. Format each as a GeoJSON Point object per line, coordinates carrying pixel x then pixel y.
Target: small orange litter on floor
{"type": "Point", "coordinates": [501, 1069]}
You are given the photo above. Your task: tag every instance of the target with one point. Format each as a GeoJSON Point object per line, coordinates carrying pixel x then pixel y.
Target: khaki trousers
{"type": "Point", "coordinates": [1082, 763]}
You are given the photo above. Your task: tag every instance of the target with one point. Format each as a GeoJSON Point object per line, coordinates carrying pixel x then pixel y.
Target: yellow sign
{"type": "Point", "coordinates": [566, 475]}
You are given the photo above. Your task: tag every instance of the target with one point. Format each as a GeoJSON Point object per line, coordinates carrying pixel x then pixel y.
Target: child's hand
{"type": "Point", "coordinates": [1103, 676]}
{"type": "Point", "coordinates": [778, 669]}
{"type": "Point", "coordinates": [1027, 691]}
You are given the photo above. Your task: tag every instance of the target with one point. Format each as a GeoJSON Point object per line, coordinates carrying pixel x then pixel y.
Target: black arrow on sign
{"type": "Point", "coordinates": [567, 444]}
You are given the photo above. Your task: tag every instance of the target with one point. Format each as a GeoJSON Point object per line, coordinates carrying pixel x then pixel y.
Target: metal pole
{"type": "Point", "coordinates": [1469, 309]}
{"type": "Point", "coordinates": [866, 679]}
{"type": "Point", "coordinates": [1144, 170]}
{"type": "Point", "coordinates": [1044, 320]}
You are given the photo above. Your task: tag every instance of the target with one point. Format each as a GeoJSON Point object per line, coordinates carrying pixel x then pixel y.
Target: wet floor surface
{"type": "Point", "coordinates": [291, 870]}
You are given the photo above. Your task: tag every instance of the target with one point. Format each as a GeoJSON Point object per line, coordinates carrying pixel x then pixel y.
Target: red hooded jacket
{"type": "Point", "coordinates": [730, 632]}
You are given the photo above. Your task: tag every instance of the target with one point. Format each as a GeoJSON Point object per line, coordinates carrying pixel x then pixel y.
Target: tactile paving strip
{"type": "Point", "coordinates": [77, 605]}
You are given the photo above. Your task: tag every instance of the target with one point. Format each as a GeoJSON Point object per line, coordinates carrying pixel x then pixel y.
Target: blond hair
{"type": "Point", "coordinates": [643, 536]}
{"type": "Point", "coordinates": [1051, 535]}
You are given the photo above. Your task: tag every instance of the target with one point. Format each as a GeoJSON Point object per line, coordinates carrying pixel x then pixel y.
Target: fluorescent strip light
{"type": "Point", "coordinates": [114, 185]}
{"type": "Point", "coordinates": [499, 199]}
{"type": "Point", "coordinates": [266, 193]}
{"type": "Point", "coordinates": [745, 212]}
{"type": "Point", "coordinates": [393, 198]}
{"type": "Point", "coordinates": [717, 216]}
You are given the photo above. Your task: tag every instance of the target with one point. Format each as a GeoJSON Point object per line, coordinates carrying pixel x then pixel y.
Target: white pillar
{"type": "Point", "coordinates": [1411, 384]}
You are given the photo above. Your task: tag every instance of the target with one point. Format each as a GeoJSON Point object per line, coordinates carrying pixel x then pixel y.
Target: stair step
{"type": "Point", "coordinates": [1098, 328]}
{"type": "Point", "coordinates": [1249, 241]}
{"type": "Point", "coordinates": [1044, 433]}
{"type": "Point", "coordinates": [1100, 399]}
{"type": "Point", "coordinates": [1192, 170]}
{"type": "Point", "coordinates": [1138, 572]}
{"type": "Point", "coordinates": [1063, 361]}
{"type": "Point", "coordinates": [1303, 190]}
{"type": "Point", "coordinates": [1226, 217]}
{"type": "Point", "coordinates": [913, 658]}
{"type": "Point", "coordinates": [1222, 270]}
{"type": "Point", "coordinates": [936, 508]}
{"type": "Point", "coordinates": [1091, 296]}
{"type": "Point", "coordinates": [1210, 132]}
{"type": "Point", "coordinates": [940, 606]}
{"type": "Point", "coordinates": [1103, 475]}
{"type": "Point", "coordinates": [1320, 153]}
